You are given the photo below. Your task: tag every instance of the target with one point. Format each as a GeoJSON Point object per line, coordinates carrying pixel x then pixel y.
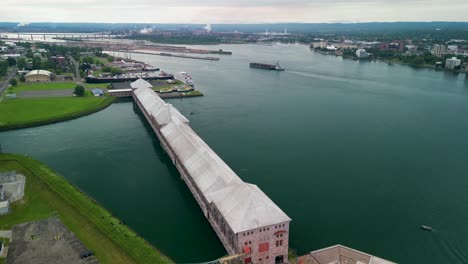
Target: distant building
{"type": "Point", "coordinates": [438, 50]}
{"type": "Point", "coordinates": [452, 63]}
{"type": "Point", "coordinates": [331, 48]}
{"type": "Point", "coordinates": [38, 76]}
{"type": "Point", "coordinates": [4, 207]}
{"type": "Point", "coordinates": [2, 248]}
{"type": "Point", "coordinates": [452, 49]}
{"type": "Point", "coordinates": [97, 92]}
{"type": "Point", "coordinates": [362, 54]}
{"type": "Point", "coordinates": [3, 48]}
{"type": "Point", "coordinates": [60, 60]}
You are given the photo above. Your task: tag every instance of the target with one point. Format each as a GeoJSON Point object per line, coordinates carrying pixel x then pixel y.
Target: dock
{"type": "Point", "coordinates": [173, 55]}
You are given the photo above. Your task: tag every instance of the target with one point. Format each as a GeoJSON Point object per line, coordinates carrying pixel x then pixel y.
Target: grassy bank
{"type": "Point", "coordinates": [48, 193]}
{"type": "Point", "coordinates": [21, 113]}
{"type": "Point", "coordinates": [41, 86]}
{"type": "Point", "coordinates": [51, 86]}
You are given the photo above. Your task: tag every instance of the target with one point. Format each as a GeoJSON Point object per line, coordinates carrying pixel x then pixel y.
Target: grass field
{"type": "Point", "coordinates": [51, 86]}
{"type": "Point", "coordinates": [41, 86]}
{"type": "Point", "coordinates": [49, 194]}
{"type": "Point", "coordinates": [19, 113]}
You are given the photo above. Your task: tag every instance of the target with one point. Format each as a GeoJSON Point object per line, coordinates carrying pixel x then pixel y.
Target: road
{"type": "Point", "coordinates": [6, 81]}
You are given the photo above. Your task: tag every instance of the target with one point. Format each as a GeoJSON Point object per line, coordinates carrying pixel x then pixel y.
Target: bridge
{"type": "Point", "coordinates": [248, 223]}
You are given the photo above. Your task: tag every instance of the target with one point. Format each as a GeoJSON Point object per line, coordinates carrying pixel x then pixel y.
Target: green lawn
{"type": "Point", "coordinates": [51, 86]}
{"type": "Point", "coordinates": [18, 113]}
{"type": "Point", "coordinates": [48, 194]}
{"type": "Point", "coordinates": [41, 86]}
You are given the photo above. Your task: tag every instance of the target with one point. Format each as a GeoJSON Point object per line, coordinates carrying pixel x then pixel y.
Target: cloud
{"type": "Point", "coordinates": [231, 11]}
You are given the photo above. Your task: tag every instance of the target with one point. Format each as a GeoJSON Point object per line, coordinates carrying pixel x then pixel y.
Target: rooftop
{"type": "Point", "coordinates": [140, 83]}
{"type": "Point", "coordinates": [244, 206]}
{"type": "Point", "coordinates": [39, 72]}
{"type": "Point", "coordinates": [339, 254]}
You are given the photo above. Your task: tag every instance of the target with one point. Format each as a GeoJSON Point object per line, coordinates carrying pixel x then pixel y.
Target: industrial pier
{"type": "Point", "coordinates": [248, 223]}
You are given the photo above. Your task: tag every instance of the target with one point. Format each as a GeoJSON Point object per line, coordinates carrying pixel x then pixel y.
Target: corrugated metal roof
{"type": "Point", "coordinates": [118, 90]}
{"type": "Point", "coordinates": [244, 206]}
{"type": "Point", "coordinates": [140, 83]}
{"type": "Point", "coordinates": [40, 72]}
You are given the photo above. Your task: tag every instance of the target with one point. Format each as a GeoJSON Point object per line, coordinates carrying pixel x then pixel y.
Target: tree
{"type": "Point", "coordinates": [116, 71]}
{"type": "Point", "coordinates": [3, 68]}
{"type": "Point", "coordinates": [37, 63]}
{"type": "Point", "coordinates": [79, 90]}
{"type": "Point", "coordinates": [13, 82]}
{"type": "Point", "coordinates": [11, 61]}
{"type": "Point", "coordinates": [21, 62]}
{"type": "Point", "coordinates": [22, 78]}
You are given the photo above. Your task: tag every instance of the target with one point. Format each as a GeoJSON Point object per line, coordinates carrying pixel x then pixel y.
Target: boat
{"type": "Point", "coordinates": [149, 68]}
{"type": "Point", "coordinates": [185, 78]}
{"type": "Point", "coordinates": [264, 66]}
{"type": "Point", "coordinates": [426, 227]}
{"type": "Point", "coordinates": [127, 78]}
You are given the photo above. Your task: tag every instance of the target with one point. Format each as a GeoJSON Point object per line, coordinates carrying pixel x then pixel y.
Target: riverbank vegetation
{"type": "Point", "coordinates": [49, 194]}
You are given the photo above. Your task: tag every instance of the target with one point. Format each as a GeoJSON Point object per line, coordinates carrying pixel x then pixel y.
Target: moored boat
{"type": "Point", "coordinates": [264, 66]}
{"type": "Point", "coordinates": [185, 78]}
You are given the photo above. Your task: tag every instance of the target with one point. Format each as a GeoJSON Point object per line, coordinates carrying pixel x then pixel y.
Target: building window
{"type": "Point", "coordinates": [250, 242]}
{"type": "Point", "coordinates": [268, 228]}
{"type": "Point", "coordinates": [281, 242]}
{"type": "Point", "coordinates": [248, 260]}
{"type": "Point", "coordinates": [260, 230]}
{"type": "Point", "coordinates": [276, 227]}
{"type": "Point", "coordinates": [267, 257]}
{"type": "Point", "coordinates": [260, 259]}
{"type": "Point", "coordinates": [281, 235]}
{"type": "Point", "coordinates": [245, 243]}
{"type": "Point", "coordinates": [263, 247]}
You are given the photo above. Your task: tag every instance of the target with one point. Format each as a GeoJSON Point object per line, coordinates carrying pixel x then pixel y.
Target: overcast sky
{"type": "Point", "coordinates": [232, 11]}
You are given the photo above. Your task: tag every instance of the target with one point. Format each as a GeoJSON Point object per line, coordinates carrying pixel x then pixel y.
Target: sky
{"type": "Point", "coordinates": [232, 11]}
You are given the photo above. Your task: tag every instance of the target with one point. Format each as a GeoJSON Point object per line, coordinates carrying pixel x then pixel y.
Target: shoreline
{"type": "Point", "coordinates": [423, 66]}
{"type": "Point", "coordinates": [79, 212]}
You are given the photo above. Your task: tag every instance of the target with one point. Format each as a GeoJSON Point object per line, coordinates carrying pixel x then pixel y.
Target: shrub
{"type": "Point", "coordinates": [79, 90]}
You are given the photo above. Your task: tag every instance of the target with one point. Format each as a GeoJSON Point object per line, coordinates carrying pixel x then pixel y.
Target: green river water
{"type": "Point", "coordinates": [356, 153]}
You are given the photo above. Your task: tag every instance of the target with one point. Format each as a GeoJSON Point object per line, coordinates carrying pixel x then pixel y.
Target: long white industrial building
{"type": "Point", "coordinates": [246, 220]}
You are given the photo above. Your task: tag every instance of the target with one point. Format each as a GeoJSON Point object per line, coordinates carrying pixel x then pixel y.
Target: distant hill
{"type": "Point", "coordinates": [276, 27]}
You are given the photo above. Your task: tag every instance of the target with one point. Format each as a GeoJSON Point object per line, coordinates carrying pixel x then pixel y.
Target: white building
{"type": "Point", "coordinates": [452, 49]}
{"type": "Point", "coordinates": [438, 50]}
{"type": "Point", "coordinates": [452, 63]}
{"type": "Point", "coordinates": [361, 54]}
{"type": "Point", "coordinates": [245, 219]}
{"type": "Point", "coordinates": [4, 207]}
{"type": "Point", "coordinates": [38, 76]}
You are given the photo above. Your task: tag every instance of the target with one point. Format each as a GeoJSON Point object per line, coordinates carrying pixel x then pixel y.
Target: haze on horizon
{"type": "Point", "coordinates": [230, 11]}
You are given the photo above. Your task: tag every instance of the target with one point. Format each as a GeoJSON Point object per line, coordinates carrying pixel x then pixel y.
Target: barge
{"type": "Point", "coordinates": [130, 78]}
{"type": "Point", "coordinates": [264, 66]}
